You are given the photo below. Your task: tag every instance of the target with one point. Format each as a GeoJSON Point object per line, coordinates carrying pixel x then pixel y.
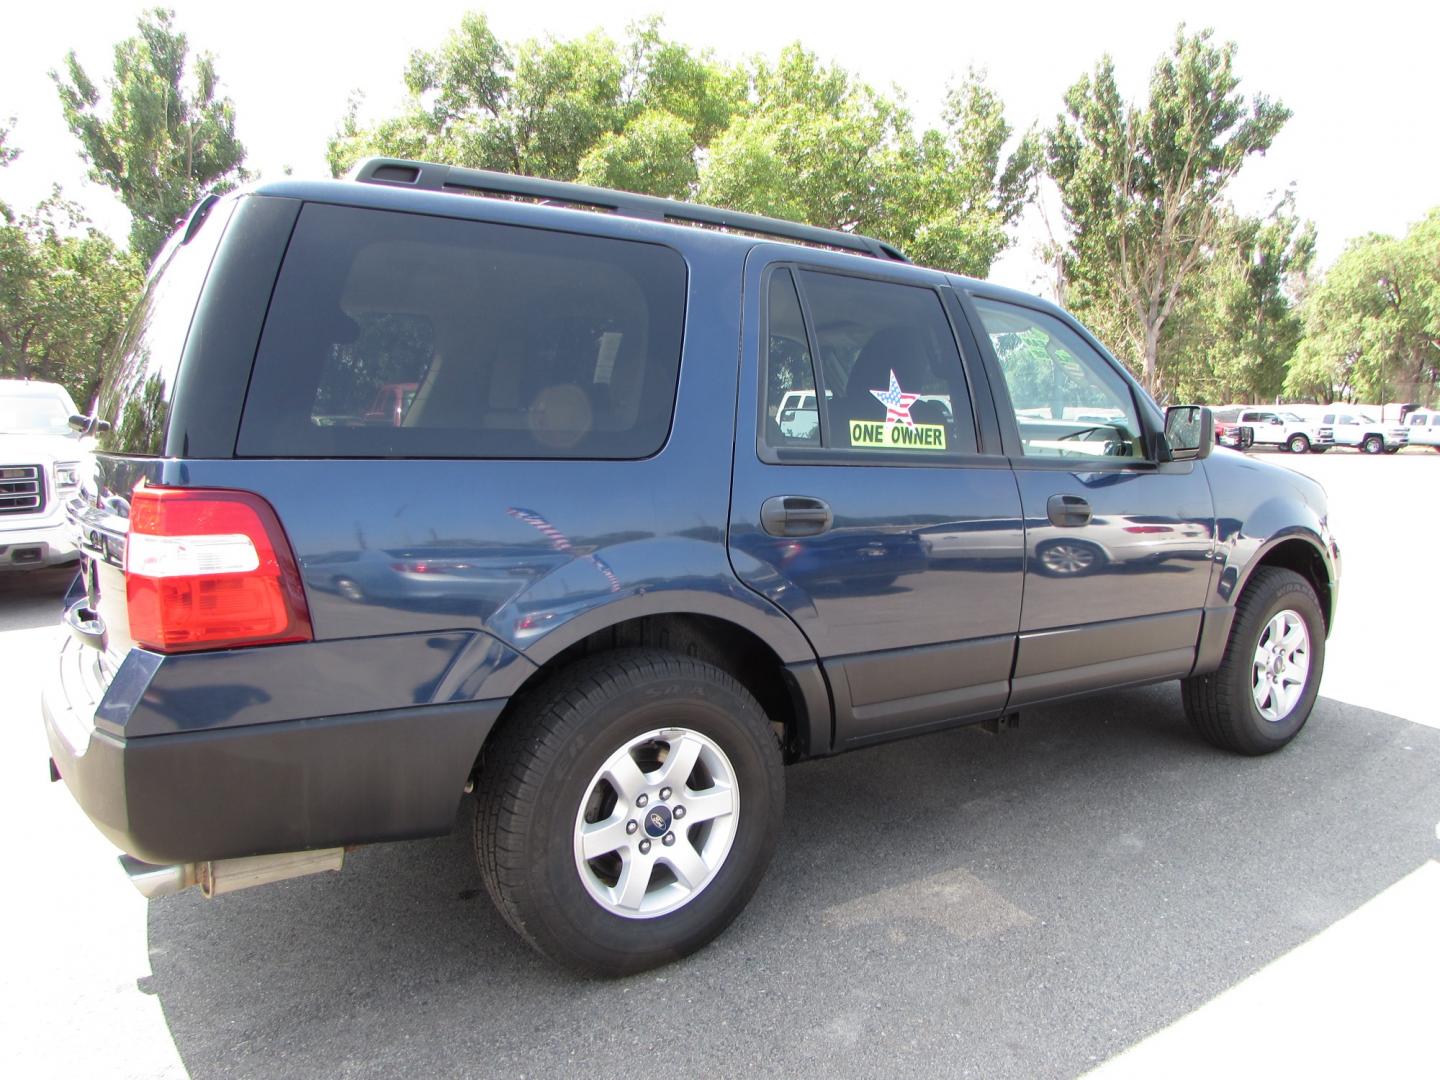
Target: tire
{"type": "Point", "coordinates": [1392, 449]}
{"type": "Point", "coordinates": [1372, 444]}
{"type": "Point", "coordinates": [546, 775]}
{"type": "Point", "coordinates": [1318, 449]}
{"type": "Point", "coordinates": [1224, 706]}
{"type": "Point", "coordinates": [1069, 558]}
{"type": "Point", "coordinates": [1298, 444]}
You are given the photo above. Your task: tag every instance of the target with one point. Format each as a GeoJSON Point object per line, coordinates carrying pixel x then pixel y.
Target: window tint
{"type": "Point", "coordinates": [889, 368]}
{"type": "Point", "coordinates": [792, 415]}
{"type": "Point", "coordinates": [139, 376]}
{"type": "Point", "coordinates": [1068, 400]}
{"type": "Point", "coordinates": [400, 335]}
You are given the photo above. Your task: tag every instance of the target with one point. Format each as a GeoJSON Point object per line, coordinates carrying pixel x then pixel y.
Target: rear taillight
{"type": "Point", "coordinates": [210, 569]}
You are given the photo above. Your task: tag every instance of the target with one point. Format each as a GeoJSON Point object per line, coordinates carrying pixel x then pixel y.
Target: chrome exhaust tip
{"type": "Point", "coordinates": [156, 881]}
{"type": "Point", "coordinates": [228, 875]}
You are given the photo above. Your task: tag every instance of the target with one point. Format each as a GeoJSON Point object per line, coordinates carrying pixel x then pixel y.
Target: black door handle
{"type": "Point", "coordinates": [795, 515]}
{"type": "Point", "coordinates": [1068, 511]}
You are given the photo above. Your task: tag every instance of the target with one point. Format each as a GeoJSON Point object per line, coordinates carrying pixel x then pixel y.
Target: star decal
{"type": "Point", "coordinates": [897, 403]}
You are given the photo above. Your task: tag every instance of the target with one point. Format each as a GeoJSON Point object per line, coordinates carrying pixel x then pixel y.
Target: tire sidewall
{"type": "Point", "coordinates": [1253, 730]}
{"type": "Point", "coordinates": [569, 915]}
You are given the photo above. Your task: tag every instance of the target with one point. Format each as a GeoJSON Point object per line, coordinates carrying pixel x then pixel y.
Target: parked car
{"type": "Point", "coordinates": [1230, 432]}
{"type": "Point", "coordinates": [1346, 427]}
{"type": "Point", "coordinates": [1424, 428]}
{"type": "Point", "coordinates": [40, 461]}
{"type": "Point", "coordinates": [591, 578]}
{"type": "Point", "coordinates": [1281, 429]}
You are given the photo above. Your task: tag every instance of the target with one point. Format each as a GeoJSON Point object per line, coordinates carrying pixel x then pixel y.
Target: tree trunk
{"type": "Point", "coordinates": [1152, 358]}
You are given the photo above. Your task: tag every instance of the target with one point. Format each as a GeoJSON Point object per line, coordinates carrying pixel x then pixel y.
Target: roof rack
{"type": "Point", "coordinates": [426, 176]}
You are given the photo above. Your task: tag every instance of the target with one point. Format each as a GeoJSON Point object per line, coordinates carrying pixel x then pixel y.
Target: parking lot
{"type": "Point", "coordinates": [1098, 890]}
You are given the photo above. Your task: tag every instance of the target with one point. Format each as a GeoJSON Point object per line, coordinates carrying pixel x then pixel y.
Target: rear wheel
{"type": "Point", "coordinates": [628, 809]}
{"type": "Point", "coordinates": [1262, 693]}
{"type": "Point", "coordinates": [1372, 444]}
{"type": "Point", "coordinates": [1318, 449]}
{"type": "Point", "coordinates": [1297, 444]}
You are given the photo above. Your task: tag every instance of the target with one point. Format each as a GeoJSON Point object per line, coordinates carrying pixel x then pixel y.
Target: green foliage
{"type": "Point", "coordinates": [791, 138]}
{"type": "Point", "coordinates": [64, 294]}
{"type": "Point", "coordinates": [156, 144]}
{"type": "Point", "coordinates": [1233, 335]}
{"type": "Point", "coordinates": [1372, 326]}
{"type": "Point", "coordinates": [1142, 187]}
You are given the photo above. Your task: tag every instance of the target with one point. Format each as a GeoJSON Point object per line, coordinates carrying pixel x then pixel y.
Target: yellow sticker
{"type": "Point", "coordinates": [896, 436]}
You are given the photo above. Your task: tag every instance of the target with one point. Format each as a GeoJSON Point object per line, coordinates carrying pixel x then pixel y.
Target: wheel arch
{"type": "Point", "coordinates": [1304, 555]}
{"type": "Point", "coordinates": [792, 692]}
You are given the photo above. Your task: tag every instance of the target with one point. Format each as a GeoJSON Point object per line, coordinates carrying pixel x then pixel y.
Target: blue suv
{"type": "Point", "coordinates": [404, 495]}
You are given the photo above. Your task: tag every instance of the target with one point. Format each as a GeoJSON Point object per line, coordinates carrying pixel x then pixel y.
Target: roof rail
{"type": "Point", "coordinates": [431, 177]}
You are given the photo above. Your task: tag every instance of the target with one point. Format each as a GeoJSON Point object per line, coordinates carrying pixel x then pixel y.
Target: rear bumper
{"type": "Point", "coordinates": [273, 787]}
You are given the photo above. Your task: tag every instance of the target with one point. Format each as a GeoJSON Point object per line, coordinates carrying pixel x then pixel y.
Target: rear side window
{"type": "Point", "coordinates": [139, 376]}
{"type": "Point", "coordinates": [402, 335]}
{"type": "Point", "coordinates": [890, 380]}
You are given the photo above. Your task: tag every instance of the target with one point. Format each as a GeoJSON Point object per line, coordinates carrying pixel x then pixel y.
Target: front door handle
{"type": "Point", "coordinates": [1068, 511]}
{"type": "Point", "coordinates": [795, 515]}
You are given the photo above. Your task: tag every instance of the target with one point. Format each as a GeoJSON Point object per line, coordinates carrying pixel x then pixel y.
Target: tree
{"type": "Point", "coordinates": [1232, 335]}
{"type": "Point", "coordinates": [157, 145]}
{"type": "Point", "coordinates": [64, 293]}
{"type": "Point", "coordinates": [585, 107]}
{"type": "Point", "coordinates": [1142, 188]}
{"type": "Point", "coordinates": [791, 138]}
{"type": "Point", "coordinates": [1372, 326]}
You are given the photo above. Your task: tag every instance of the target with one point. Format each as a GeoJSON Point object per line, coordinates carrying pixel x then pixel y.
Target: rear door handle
{"type": "Point", "coordinates": [795, 515]}
{"type": "Point", "coordinates": [1068, 511]}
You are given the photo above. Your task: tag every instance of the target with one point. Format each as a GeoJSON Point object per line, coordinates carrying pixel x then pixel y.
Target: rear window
{"type": "Point", "coordinates": [403, 335]}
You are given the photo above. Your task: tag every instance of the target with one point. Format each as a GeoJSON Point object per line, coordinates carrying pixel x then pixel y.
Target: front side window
{"type": "Point", "coordinates": [1068, 401]}
{"type": "Point", "coordinates": [402, 335]}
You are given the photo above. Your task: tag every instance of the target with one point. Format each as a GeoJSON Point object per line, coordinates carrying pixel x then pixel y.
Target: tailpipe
{"type": "Point", "coordinates": [220, 876]}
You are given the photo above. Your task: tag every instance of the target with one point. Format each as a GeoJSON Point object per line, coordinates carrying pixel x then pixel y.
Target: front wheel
{"type": "Point", "coordinates": [627, 810]}
{"type": "Point", "coordinates": [1318, 449]}
{"type": "Point", "coordinates": [1262, 693]}
{"type": "Point", "coordinates": [1298, 444]}
{"type": "Point", "coordinates": [1373, 444]}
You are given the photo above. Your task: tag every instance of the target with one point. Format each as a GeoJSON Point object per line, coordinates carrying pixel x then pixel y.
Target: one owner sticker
{"type": "Point", "coordinates": [887, 436]}
{"type": "Point", "coordinates": [899, 431]}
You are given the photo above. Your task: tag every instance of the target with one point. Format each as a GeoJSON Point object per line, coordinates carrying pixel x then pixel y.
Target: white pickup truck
{"type": "Point", "coordinates": [1350, 427]}
{"type": "Point", "coordinates": [1424, 427]}
{"type": "Point", "coordinates": [1276, 427]}
{"type": "Point", "coordinates": [40, 462]}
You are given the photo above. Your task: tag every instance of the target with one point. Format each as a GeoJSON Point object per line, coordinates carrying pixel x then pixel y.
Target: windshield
{"type": "Point", "coordinates": [35, 414]}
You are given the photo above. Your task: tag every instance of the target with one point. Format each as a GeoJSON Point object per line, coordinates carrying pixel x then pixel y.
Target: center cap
{"type": "Point", "coordinates": [657, 821]}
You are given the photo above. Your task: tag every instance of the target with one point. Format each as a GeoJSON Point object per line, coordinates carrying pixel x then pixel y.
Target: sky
{"type": "Point", "coordinates": [1360, 148]}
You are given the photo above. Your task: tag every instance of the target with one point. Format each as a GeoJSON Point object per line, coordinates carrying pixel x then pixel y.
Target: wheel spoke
{"type": "Point", "coordinates": [626, 778]}
{"type": "Point", "coordinates": [1295, 635]}
{"type": "Point", "coordinates": [690, 869]}
{"type": "Point", "coordinates": [602, 837]}
{"type": "Point", "coordinates": [710, 803]}
{"type": "Point", "coordinates": [680, 762]}
{"type": "Point", "coordinates": [634, 881]}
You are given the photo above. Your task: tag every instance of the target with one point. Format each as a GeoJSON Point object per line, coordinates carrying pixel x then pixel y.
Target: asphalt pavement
{"type": "Point", "coordinates": [1097, 890]}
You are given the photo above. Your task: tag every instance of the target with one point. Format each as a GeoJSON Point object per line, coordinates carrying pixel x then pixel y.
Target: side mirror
{"type": "Point", "coordinates": [1189, 432]}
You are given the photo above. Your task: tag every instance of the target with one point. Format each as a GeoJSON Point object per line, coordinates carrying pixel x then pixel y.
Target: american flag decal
{"type": "Point", "coordinates": [897, 403]}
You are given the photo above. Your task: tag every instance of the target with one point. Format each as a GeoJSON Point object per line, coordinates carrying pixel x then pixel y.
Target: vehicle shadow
{"type": "Point", "coordinates": [31, 598]}
{"type": "Point", "coordinates": [1017, 905]}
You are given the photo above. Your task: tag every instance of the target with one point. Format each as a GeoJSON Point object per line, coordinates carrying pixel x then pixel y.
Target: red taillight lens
{"type": "Point", "coordinates": [210, 569]}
